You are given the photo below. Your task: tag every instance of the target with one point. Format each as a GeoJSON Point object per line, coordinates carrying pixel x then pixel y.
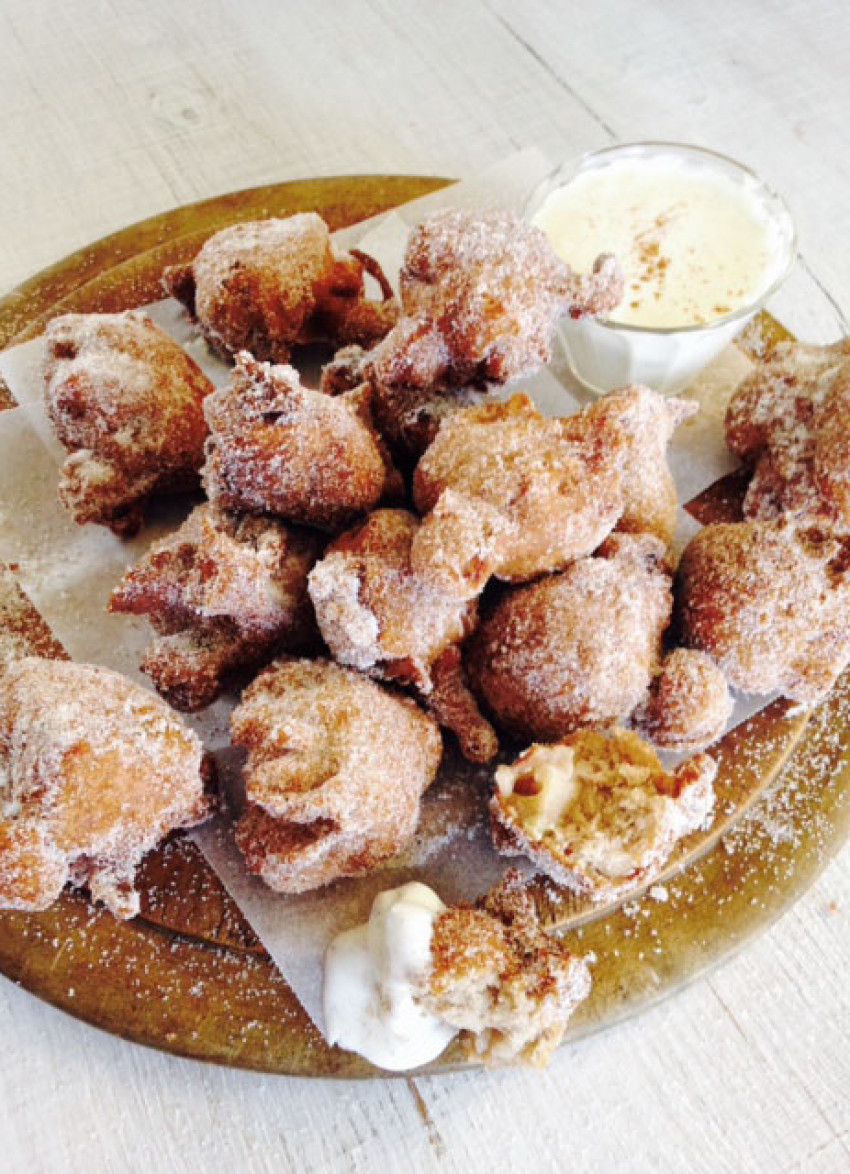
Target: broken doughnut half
{"type": "Point", "coordinates": [597, 812]}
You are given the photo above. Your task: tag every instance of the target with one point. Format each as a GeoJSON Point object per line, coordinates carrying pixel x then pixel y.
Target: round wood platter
{"type": "Point", "coordinates": [189, 975]}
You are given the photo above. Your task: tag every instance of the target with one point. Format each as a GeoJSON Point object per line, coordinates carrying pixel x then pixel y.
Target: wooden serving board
{"type": "Point", "coordinates": [190, 977]}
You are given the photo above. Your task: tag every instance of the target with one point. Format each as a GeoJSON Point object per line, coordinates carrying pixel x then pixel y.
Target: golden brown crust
{"type": "Point", "coordinates": [224, 593]}
{"type": "Point", "coordinates": [454, 706]}
{"type": "Point", "coordinates": [266, 286]}
{"type": "Point", "coordinates": [768, 601]}
{"type": "Point", "coordinates": [508, 492]}
{"type": "Point", "coordinates": [94, 772]}
{"type": "Point", "coordinates": [345, 371]}
{"type": "Point", "coordinates": [280, 448]}
{"type": "Point", "coordinates": [409, 418]}
{"type": "Point", "coordinates": [378, 615]}
{"type": "Point", "coordinates": [497, 977]}
{"type": "Point", "coordinates": [689, 703]}
{"type": "Point", "coordinates": [645, 423]}
{"type": "Point", "coordinates": [481, 293]}
{"type": "Point", "coordinates": [127, 404]}
{"type": "Point", "coordinates": [577, 647]}
{"type": "Point", "coordinates": [335, 772]}
{"type": "Point", "coordinates": [597, 812]}
{"type": "Point", "coordinates": [788, 419]}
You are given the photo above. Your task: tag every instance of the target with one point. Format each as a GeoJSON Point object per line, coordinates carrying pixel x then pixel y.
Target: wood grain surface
{"type": "Point", "coordinates": [114, 112]}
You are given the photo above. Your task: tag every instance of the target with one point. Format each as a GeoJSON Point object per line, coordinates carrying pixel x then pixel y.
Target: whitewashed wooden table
{"type": "Point", "coordinates": [112, 111]}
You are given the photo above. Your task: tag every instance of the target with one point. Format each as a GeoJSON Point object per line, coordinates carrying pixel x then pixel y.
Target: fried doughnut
{"type": "Point", "coordinates": [646, 422]}
{"type": "Point", "coordinates": [578, 647]}
{"type": "Point", "coordinates": [94, 772]}
{"type": "Point", "coordinates": [481, 293]}
{"type": "Point", "coordinates": [345, 371]}
{"type": "Point", "coordinates": [505, 984]}
{"type": "Point", "coordinates": [768, 601]}
{"type": "Point", "coordinates": [508, 492]}
{"type": "Point", "coordinates": [280, 448]}
{"type": "Point", "coordinates": [597, 812]}
{"type": "Point", "coordinates": [127, 404]}
{"type": "Point", "coordinates": [336, 768]}
{"type": "Point", "coordinates": [689, 703]}
{"type": "Point", "coordinates": [408, 418]}
{"type": "Point", "coordinates": [789, 421]}
{"type": "Point", "coordinates": [224, 593]}
{"type": "Point", "coordinates": [266, 286]}
{"type": "Point", "coordinates": [378, 615]}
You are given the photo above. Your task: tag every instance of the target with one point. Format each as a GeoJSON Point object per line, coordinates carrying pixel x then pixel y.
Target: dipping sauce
{"type": "Point", "coordinates": [372, 975]}
{"type": "Point", "coordinates": [694, 243]}
{"type": "Point", "coordinates": [702, 241]}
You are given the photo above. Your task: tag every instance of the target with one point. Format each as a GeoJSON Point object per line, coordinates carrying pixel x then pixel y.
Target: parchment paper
{"type": "Point", "coordinates": [69, 571]}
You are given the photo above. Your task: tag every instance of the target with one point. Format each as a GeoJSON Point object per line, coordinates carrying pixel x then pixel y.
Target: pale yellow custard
{"type": "Point", "coordinates": [695, 244]}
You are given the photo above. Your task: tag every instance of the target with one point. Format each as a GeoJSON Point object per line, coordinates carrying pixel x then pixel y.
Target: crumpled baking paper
{"type": "Point", "coordinates": [69, 571]}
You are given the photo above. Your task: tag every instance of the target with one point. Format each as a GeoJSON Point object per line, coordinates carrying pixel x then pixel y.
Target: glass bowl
{"type": "Point", "coordinates": [604, 354]}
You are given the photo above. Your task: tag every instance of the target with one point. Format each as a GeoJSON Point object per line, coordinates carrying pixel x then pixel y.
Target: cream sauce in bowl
{"type": "Point", "coordinates": [702, 243]}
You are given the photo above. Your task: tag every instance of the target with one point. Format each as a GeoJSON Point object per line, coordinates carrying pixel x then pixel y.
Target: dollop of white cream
{"type": "Point", "coordinates": [372, 975]}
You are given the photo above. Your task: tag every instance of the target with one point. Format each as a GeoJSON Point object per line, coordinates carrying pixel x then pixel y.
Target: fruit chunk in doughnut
{"type": "Point", "coordinates": [597, 811]}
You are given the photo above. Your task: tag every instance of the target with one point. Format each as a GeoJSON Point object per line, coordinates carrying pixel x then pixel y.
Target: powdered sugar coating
{"type": "Point", "coordinates": [377, 614]}
{"type": "Point", "coordinates": [280, 448]}
{"type": "Point", "coordinates": [266, 285]}
{"type": "Point", "coordinates": [336, 768]}
{"type": "Point", "coordinates": [345, 371]}
{"type": "Point", "coordinates": [769, 602]}
{"type": "Point", "coordinates": [94, 772]}
{"type": "Point", "coordinates": [508, 492]}
{"type": "Point", "coordinates": [689, 702]}
{"type": "Point", "coordinates": [646, 422]}
{"type": "Point", "coordinates": [374, 611]}
{"type": "Point", "coordinates": [127, 403]}
{"type": "Point", "coordinates": [577, 647]}
{"type": "Point", "coordinates": [790, 419]}
{"type": "Point", "coordinates": [481, 293]}
{"type": "Point", "coordinates": [409, 418]}
{"type": "Point", "coordinates": [224, 592]}
{"type": "Point", "coordinates": [505, 984]}
{"type": "Point", "coordinates": [623, 818]}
